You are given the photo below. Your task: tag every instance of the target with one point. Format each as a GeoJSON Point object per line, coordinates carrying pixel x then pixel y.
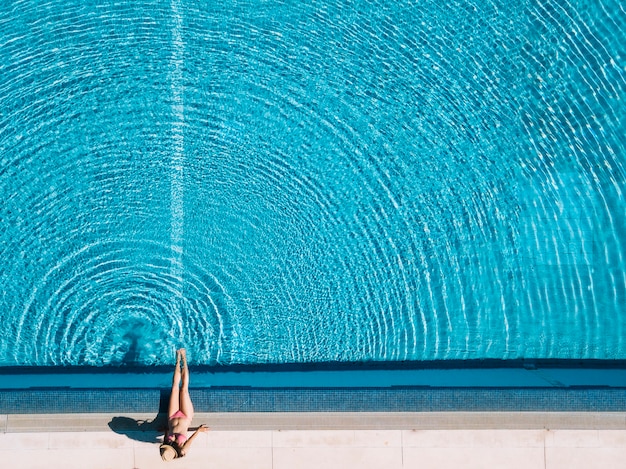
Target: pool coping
{"type": "Point", "coordinates": [145, 424]}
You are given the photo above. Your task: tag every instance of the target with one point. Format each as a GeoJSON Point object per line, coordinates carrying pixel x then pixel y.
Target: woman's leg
{"type": "Point", "coordinates": [185, 400]}
{"type": "Point", "coordinates": [174, 397]}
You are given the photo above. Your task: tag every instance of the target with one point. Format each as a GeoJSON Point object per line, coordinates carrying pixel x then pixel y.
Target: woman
{"type": "Point", "coordinates": [175, 442]}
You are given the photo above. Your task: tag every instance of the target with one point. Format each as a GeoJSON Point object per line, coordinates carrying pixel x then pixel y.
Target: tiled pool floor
{"type": "Point", "coordinates": [328, 441]}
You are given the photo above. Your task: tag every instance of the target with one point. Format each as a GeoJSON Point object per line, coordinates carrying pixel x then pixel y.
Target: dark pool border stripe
{"type": "Point", "coordinates": [482, 364]}
{"type": "Point", "coordinates": [68, 401]}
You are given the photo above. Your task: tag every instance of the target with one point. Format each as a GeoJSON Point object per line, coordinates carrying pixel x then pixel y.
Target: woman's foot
{"type": "Point", "coordinates": [183, 355]}
{"type": "Point", "coordinates": [177, 371]}
{"type": "Point", "coordinates": [184, 369]}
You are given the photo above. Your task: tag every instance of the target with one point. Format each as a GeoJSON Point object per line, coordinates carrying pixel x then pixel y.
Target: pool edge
{"type": "Point", "coordinates": [44, 423]}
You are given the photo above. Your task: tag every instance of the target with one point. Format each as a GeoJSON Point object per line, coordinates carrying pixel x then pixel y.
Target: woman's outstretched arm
{"type": "Point", "coordinates": [202, 428]}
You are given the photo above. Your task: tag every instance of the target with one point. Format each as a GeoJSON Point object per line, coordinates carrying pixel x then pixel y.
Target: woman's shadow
{"type": "Point", "coordinates": [147, 431]}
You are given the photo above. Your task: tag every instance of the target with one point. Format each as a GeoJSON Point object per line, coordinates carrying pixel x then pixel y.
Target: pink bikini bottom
{"type": "Point", "coordinates": [178, 414]}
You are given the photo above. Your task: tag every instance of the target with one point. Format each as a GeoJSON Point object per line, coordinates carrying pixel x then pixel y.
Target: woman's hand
{"type": "Point", "coordinates": [203, 428]}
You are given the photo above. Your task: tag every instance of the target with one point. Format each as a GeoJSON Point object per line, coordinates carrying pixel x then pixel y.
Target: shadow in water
{"type": "Point", "coordinates": [147, 431]}
{"type": "Point", "coordinates": [132, 354]}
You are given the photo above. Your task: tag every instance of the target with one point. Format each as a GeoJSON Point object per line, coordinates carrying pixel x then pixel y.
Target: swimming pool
{"type": "Point", "coordinates": [275, 182]}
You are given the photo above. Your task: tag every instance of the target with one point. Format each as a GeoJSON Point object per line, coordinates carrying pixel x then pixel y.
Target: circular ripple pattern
{"type": "Point", "coordinates": [267, 182]}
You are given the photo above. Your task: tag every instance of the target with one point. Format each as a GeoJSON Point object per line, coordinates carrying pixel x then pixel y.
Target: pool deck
{"type": "Point", "coordinates": [324, 440]}
{"type": "Point", "coordinates": [515, 417]}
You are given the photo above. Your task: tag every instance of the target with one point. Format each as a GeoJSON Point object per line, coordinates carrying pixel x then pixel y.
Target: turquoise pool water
{"type": "Point", "coordinates": [277, 182]}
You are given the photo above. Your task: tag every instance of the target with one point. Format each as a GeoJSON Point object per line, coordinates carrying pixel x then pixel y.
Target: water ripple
{"type": "Point", "coordinates": [267, 182]}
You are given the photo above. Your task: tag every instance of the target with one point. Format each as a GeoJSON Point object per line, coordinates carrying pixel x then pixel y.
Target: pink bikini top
{"type": "Point", "coordinates": [179, 438]}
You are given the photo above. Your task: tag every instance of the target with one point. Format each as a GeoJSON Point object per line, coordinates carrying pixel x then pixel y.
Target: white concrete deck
{"type": "Point", "coordinates": [329, 441]}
